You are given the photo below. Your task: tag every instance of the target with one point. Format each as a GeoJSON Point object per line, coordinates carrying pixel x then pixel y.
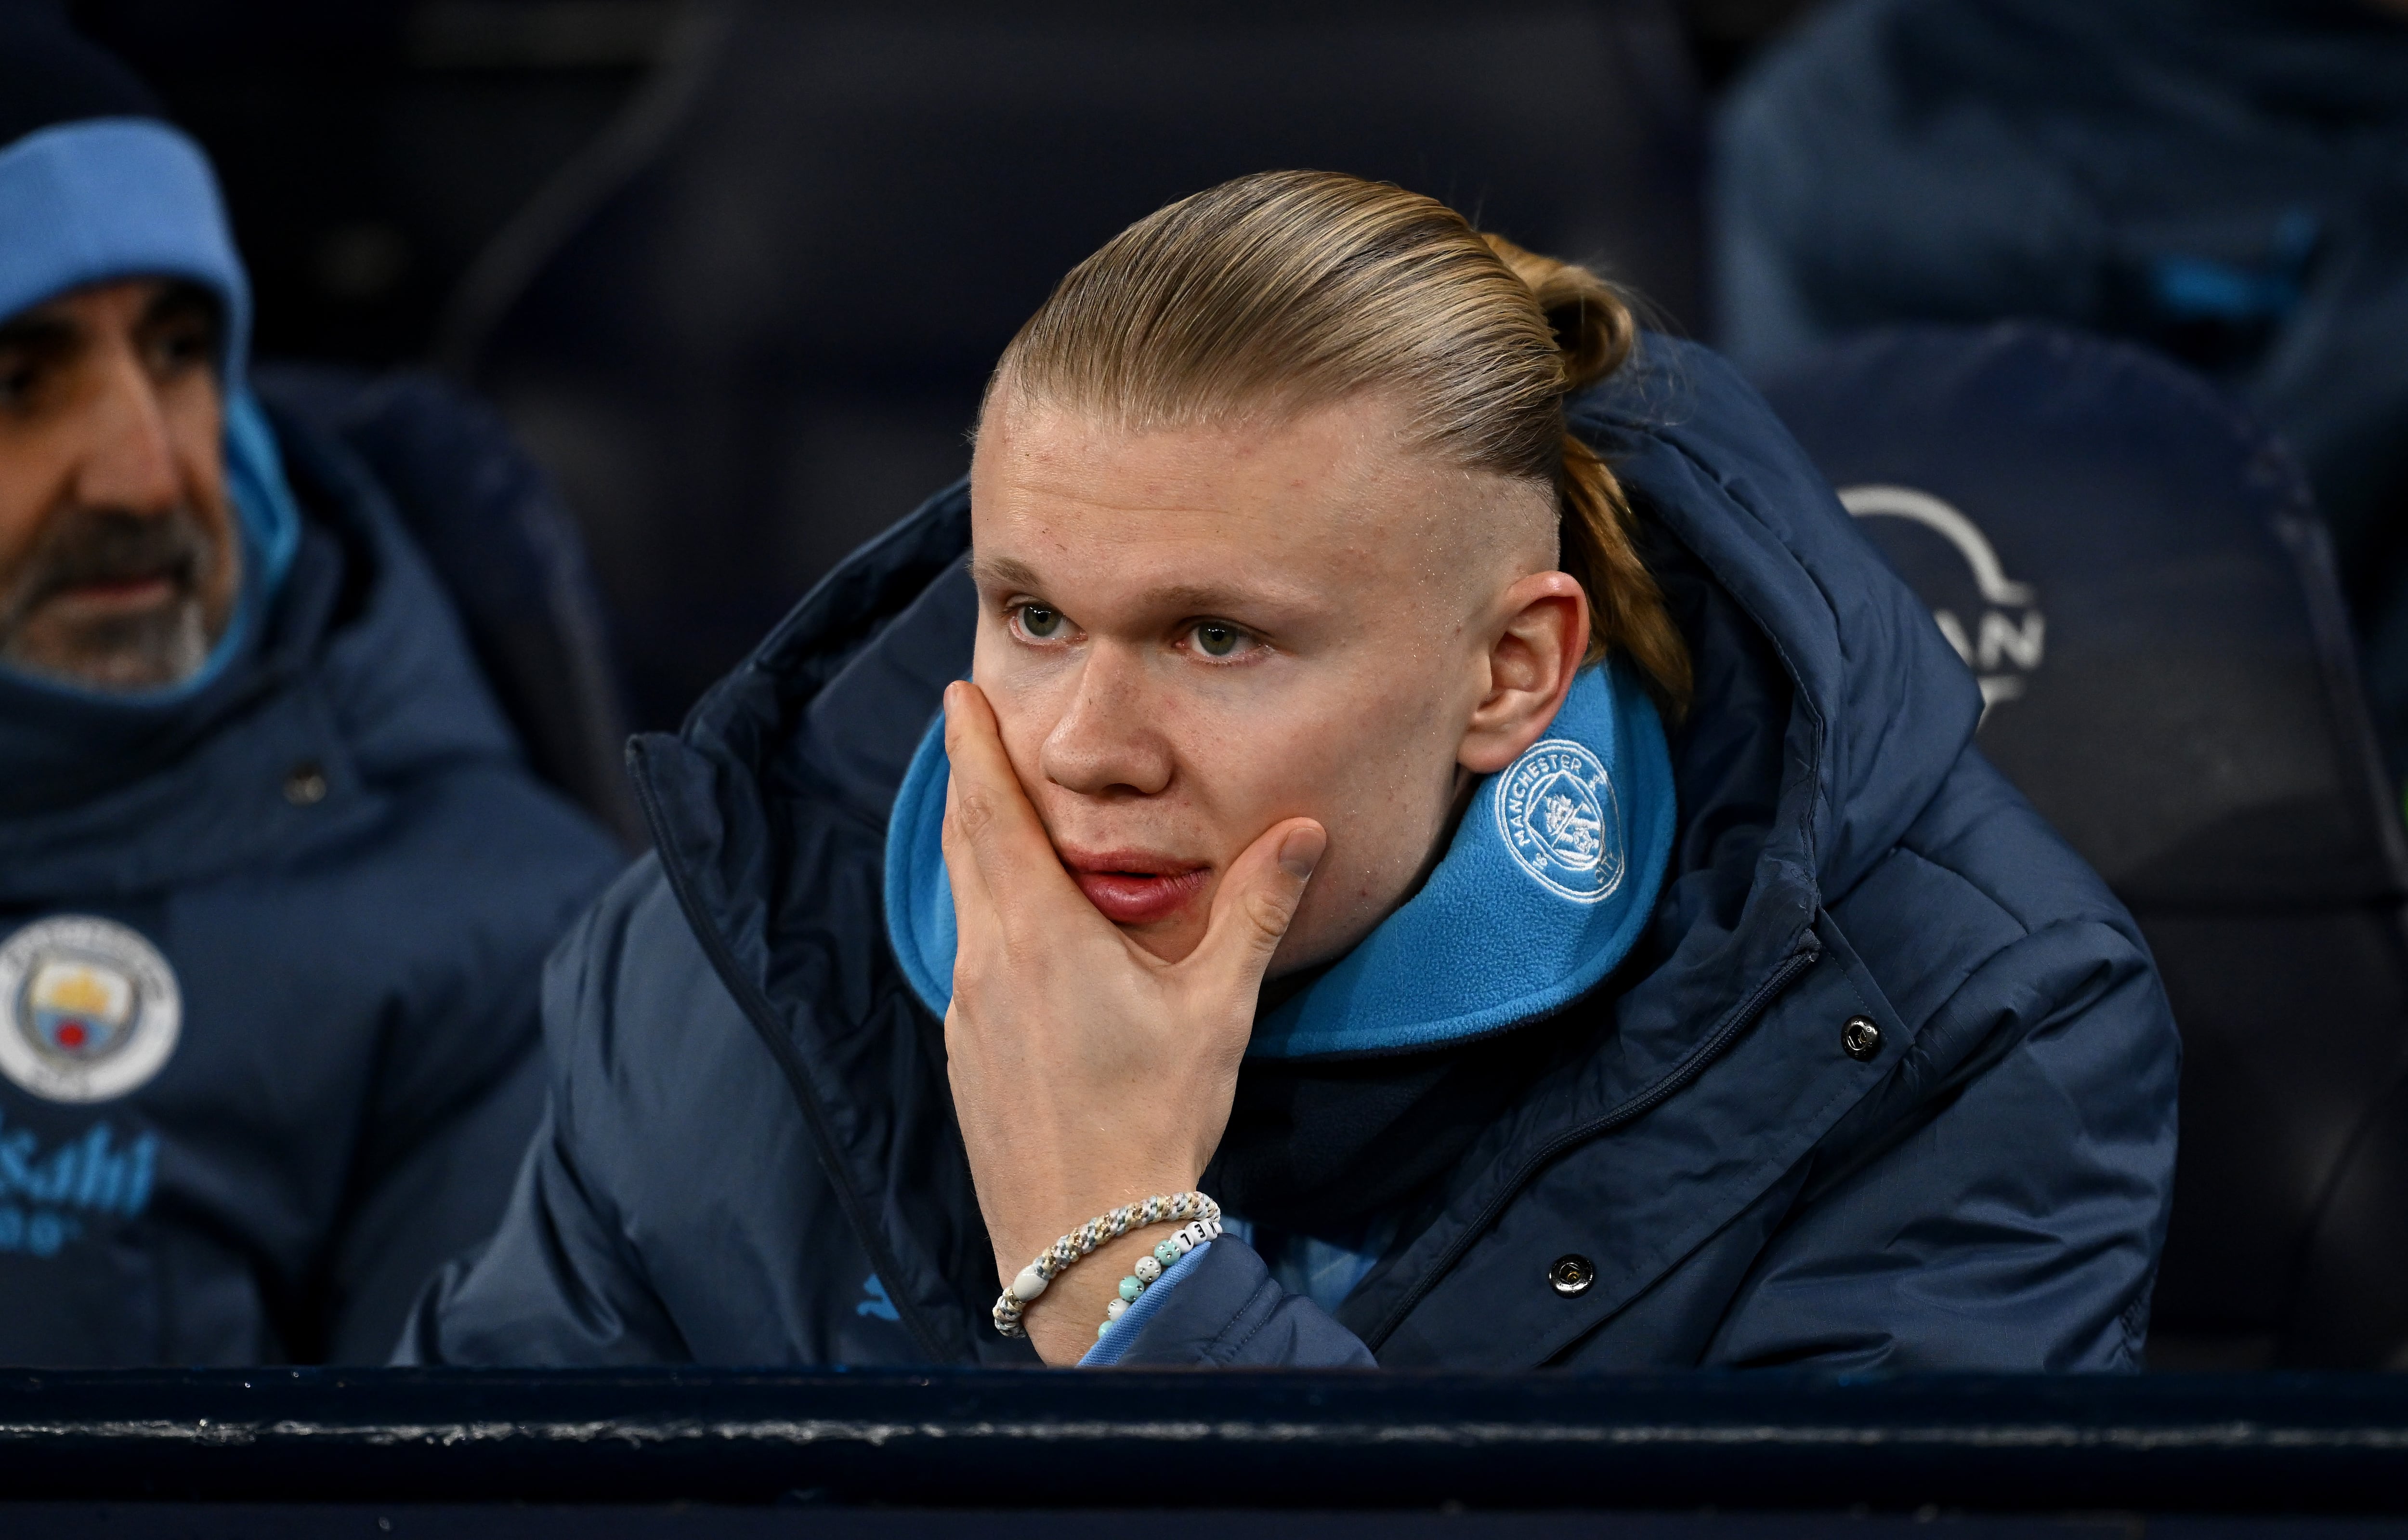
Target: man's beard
{"type": "Point", "coordinates": [159, 646]}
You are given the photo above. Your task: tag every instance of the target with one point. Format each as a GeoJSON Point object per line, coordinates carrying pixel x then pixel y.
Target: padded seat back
{"type": "Point", "coordinates": [508, 554]}
{"type": "Point", "coordinates": [752, 329]}
{"type": "Point", "coordinates": [2133, 571]}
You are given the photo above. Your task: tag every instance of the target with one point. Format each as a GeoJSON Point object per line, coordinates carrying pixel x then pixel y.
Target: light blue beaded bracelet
{"type": "Point", "coordinates": [1150, 1268]}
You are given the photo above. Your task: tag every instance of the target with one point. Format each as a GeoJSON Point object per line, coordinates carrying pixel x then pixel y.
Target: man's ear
{"type": "Point", "coordinates": [1532, 666]}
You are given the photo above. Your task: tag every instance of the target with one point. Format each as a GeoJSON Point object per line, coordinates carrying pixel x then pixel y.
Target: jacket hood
{"type": "Point", "coordinates": [1776, 588]}
{"type": "Point", "coordinates": [359, 676]}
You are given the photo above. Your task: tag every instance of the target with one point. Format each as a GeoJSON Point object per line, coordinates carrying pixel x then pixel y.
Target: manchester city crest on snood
{"type": "Point", "coordinates": [1556, 810]}
{"type": "Point", "coordinates": [88, 1010]}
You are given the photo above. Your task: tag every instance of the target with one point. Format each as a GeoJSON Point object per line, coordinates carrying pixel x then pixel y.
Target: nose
{"type": "Point", "coordinates": [1109, 739]}
{"type": "Point", "coordinates": [128, 461]}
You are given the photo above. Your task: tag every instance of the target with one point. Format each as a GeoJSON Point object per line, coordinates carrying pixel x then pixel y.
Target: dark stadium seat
{"type": "Point", "coordinates": [510, 555]}
{"type": "Point", "coordinates": [2134, 570]}
{"type": "Point", "coordinates": [751, 327]}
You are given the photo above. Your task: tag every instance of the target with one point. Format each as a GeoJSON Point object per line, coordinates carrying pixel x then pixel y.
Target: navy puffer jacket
{"type": "Point", "coordinates": [750, 1158]}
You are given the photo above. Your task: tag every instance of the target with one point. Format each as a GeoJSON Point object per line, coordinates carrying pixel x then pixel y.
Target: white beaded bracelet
{"type": "Point", "coordinates": [1053, 1260]}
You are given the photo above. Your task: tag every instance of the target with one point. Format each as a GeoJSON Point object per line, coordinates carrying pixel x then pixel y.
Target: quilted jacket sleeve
{"type": "Point", "coordinates": [556, 1284]}
{"type": "Point", "coordinates": [1221, 1308]}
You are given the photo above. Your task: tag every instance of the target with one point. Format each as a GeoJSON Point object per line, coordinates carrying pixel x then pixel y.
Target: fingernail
{"type": "Point", "coordinates": [1301, 852]}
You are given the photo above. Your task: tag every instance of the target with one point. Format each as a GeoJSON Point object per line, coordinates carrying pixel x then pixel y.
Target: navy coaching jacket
{"type": "Point", "coordinates": [282, 941]}
{"type": "Point", "coordinates": [751, 1159]}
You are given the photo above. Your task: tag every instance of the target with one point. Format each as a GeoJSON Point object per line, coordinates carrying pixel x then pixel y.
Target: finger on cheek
{"type": "Point", "coordinates": [973, 738]}
{"type": "Point", "coordinates": [1301, 848]}
{"type": "Point", "coordinates": [961, 725]}
{"type": "Point", "coordinates": [1255, 907]}
{"type": "Point", "coordinates": [960, 845]}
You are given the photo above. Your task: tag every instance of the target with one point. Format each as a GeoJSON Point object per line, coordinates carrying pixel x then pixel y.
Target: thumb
{"type": "Point", "coordinates": [1251, 912]}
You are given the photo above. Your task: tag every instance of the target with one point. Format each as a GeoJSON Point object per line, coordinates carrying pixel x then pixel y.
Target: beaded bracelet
{"type": "Point", "coordinates": [1149, 1269]}
{"type": "Point", "coordinates": [1049, 1264]}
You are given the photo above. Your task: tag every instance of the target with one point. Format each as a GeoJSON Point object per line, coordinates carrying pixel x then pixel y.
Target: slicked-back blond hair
{"type": "Point", "coordinates": [1280, 293]}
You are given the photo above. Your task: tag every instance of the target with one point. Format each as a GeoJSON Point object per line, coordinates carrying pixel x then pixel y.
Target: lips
{"type": "Point", "coordinates": [115, 595]}
{"type": "Point", "coordinates": [1132, 887]}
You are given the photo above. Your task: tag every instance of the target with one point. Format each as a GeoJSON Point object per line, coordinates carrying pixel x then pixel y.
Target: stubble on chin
{"type": "Point", "coordinates": [153, 651]}
{"type": "Point", "coordinates": [154, 648]}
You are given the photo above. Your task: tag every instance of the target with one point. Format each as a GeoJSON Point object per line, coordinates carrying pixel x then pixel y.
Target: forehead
{"type": "Point", "coordinates": [1052, 487]}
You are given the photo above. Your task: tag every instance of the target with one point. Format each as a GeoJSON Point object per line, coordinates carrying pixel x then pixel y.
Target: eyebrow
{"type": "Point", "coordinates": [1002, 572]}
{"type": "Point", "coordinates": [183, 300]}
{"type": "Point", "coordinates": [1198, 598]}
{"type": "Point", "coordinates": [38, 333]}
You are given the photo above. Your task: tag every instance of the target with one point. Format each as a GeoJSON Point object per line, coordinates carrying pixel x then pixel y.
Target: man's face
{"type": "Point", "coordinates": [1189, 636]}
{"type": "Point", "coordinates": [119, 563]}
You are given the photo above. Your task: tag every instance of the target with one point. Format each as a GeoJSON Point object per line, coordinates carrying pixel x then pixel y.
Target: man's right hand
{"type": "Point", "coordinates": [1086, 1071]}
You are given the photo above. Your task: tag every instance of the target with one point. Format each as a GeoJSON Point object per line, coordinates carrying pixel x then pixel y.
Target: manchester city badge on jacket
{"type": "Point", "coordinates": [88, 1010]}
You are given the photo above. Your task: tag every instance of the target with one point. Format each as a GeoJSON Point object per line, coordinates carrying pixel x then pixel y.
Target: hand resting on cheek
{"type": "Point", "coordinates": [1086, 1071]}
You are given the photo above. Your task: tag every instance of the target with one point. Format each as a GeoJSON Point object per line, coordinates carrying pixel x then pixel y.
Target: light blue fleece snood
{"type": "Point", "coordinates": [1548, 882]}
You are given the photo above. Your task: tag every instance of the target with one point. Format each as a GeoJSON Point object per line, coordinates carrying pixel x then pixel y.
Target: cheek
{"type": "Point", "coordinates": [1359, 772]}
{"type": "Point", "coordinates": [1239, 772]}
{"type": "Point", "coordinates": [196, 436]}
{"type": "Point", "coordinates": [1395, 739]}
{"type": "Point", "coordinates": [1027, 699]}
{"type": "Point", "coordinates": [1384, 779]}
{"type": "Point", "coordinates": [23, 503]}
{"type": "Point", "coordinates": [34, 470]}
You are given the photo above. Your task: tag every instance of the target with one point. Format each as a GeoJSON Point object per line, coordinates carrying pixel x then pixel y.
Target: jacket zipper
{"type": "Point", "coordinates": [1740, 1018]}
{"type": "Point", "coordinates": [756, 1008]}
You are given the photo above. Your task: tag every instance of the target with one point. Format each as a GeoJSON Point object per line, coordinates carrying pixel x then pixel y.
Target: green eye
{"type": "Point", "coordinates": [1215, 639]}
{"type": "Point", "coordinates": [1040, 622]}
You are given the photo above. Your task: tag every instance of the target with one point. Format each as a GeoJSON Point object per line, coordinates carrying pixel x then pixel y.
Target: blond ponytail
{"type": "Point", "coordinates": [1594, 333]}
{"type": "Point", "coordinates": [1592, 324]}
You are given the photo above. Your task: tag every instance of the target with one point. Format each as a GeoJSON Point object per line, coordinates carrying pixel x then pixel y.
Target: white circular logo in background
{"type": "Point", "coordinates": [88, 1010]}
{"type": "Point", "coordinates": [1558, 813]}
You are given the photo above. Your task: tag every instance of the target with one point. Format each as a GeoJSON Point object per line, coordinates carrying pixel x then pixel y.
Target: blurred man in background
{"type": "Point", "coordinates": [2221, 179]}
{"type": "Point", "coordinates": [275, 884]}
